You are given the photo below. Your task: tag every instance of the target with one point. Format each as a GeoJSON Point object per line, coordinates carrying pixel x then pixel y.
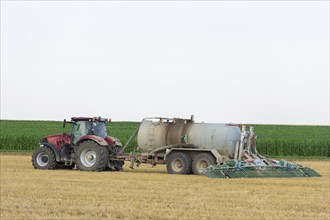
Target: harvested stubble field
{"type": "Point", "coordinates": [151, 193]}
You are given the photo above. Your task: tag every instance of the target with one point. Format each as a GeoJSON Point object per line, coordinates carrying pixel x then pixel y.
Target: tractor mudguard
{"type": "Point", "coordinates": [94, 138]}
{"type": "Point", "coordinates": [112, 141]}
{"type": "Point", "coordinates": [55, 149]}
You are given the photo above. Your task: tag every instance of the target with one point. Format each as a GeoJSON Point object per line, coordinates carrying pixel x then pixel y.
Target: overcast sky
{"type": "Point", "coordinates": [244, 62]}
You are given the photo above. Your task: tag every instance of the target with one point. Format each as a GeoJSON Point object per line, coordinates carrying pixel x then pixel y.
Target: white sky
{"type": "Point", "coordinates": [244, 62]}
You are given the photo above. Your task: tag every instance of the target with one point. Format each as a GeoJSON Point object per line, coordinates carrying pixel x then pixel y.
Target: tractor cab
{"type": "Point", "coordinates": [83, 126]}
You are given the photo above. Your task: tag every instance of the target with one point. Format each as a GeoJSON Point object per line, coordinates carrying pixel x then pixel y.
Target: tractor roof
{"type": "Point", "coordinates": [91, 119]}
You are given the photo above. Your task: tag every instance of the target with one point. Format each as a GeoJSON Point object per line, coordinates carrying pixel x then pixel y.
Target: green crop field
{"type": "Point", "coordinates": [293, 140]}
{"type": "Point", "coordinates": [274, 140]}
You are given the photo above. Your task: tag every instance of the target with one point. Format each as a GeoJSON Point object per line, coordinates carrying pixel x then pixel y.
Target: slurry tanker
{"type": "Point", "coordinates": [184, 146]}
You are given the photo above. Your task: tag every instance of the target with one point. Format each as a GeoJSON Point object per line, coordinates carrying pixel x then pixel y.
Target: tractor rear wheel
{"type": "Point", "coordinates": [89, 156]}
{"type": "Point", "coordinates": [44, 158]}
{"type": "Point", "coordinates": [178, 163]}
{"type": "Point", "coordinates": [202, 161]}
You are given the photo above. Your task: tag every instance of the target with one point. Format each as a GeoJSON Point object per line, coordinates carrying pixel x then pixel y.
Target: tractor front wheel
{"type": "Point", "coordinates": [89, 156]}
{"type": "Point", "coordinates": [44, 158]}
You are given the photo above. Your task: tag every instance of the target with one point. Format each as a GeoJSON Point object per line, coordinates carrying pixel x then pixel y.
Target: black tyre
{"type": "Point", "coordinates": [89, 156]}
{"type": "Point", "coordinates": [201, 161]}
{"type": "Point", "coordinates": [44, 158]}
{"type": "Point", "coordinates": [178, 163]}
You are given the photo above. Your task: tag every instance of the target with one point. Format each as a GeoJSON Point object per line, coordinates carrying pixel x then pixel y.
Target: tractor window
{"type": "Point", "coordinates": [99, 129]}
{"type": "Point", "coordinates": [82, 128]}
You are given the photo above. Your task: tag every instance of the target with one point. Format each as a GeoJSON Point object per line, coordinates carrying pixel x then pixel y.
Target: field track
{"type": "Point", "coordinates": [151, 193]}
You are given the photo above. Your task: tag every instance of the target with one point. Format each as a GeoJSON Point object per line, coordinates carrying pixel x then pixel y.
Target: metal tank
{"type": "Point", "coordinates": [155, 133]}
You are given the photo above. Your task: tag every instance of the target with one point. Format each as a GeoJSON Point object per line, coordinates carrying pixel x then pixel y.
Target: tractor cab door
{"type": "Point", "coordinates": [81, 128]}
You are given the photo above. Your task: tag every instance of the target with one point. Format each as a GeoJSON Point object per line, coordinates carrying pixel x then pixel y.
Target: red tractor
{"type": "Point", "coordinates": [88, 147]}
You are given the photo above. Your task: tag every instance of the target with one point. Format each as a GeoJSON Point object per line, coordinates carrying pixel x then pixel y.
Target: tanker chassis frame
{"type": "Point", "coordinates": [179, 159]}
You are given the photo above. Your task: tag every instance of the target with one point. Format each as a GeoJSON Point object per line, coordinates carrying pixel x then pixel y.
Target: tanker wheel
{"type": "Point", "coordinates": [179, 163]}
{"type": "Point", "coordinates": [202, 161]}
{"type": "Point", "coordinates": [44, 158]}
{"type": "Point", "coordinates": [90, 156]}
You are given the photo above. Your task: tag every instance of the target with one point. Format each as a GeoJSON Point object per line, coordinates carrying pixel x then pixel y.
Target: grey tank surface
{"type": "Point", "coordinates": [162, 132]}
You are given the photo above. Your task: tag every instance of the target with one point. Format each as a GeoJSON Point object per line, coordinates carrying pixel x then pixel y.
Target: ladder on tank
{"type": "Point", "coordinates": [151, 142]}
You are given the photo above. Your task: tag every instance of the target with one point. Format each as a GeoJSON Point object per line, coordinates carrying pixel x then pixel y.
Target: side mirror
{"type": "Point", "coordinates": [64, 122]}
